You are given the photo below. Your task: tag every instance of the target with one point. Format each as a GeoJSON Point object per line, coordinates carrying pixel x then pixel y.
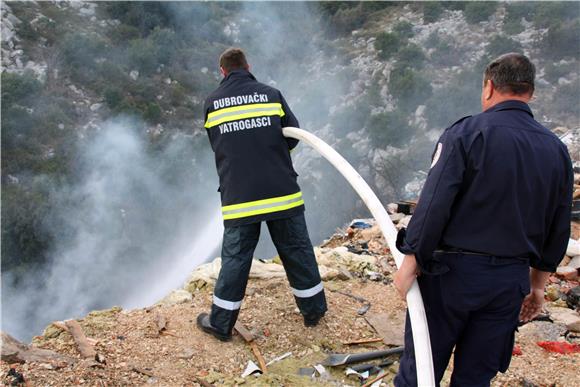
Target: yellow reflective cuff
{"type": "Point", "coordinates": [235, 113]}
{"type": "Point", "coordinates": [261, 202]}
{"type": "Point", "coordinates": [264, 210]}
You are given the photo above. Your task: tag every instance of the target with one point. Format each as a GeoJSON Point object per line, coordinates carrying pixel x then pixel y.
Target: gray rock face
{"type": "Point", "coordinates": [543, 331]}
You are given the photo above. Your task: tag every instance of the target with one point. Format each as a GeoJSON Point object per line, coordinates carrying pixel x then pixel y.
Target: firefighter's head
{"type": "Point", "coordinates": [233, 59]}
{"type": "Point", "coordinates": [509, 77]}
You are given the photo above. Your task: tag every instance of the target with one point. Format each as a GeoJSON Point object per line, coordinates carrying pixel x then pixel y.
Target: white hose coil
{"type": "Point", "coordinates": [423, 358]}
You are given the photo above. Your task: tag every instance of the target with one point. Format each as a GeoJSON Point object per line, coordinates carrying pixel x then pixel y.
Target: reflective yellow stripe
{"type": "Point", "coordinates": [264, 211]}
{"type": "Point", "coordinates": [264, 206]}
{"type": "Point", "coordinates": [245, 111]}
{"type": "Point", "coordinates": [261, 202]}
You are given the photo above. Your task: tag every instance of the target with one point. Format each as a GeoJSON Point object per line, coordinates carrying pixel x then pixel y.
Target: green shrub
{"type": "Point", "coordinates": [478, 11]}
{"type": "Point", "coordinates": [142, 56]}
{"type": "Point", "coordinates": [546, 14]}
{"type": "Point", "coordinates": [566, 99]}
{"type": "Point", "coordinates": [113, 97]}
{"type": "Point", "coordinates": [387, 44]}
{"type": "Point", "coordinates": [432, 11]}
{"type": "Point", "coordinates": [404, 29]}
{"type": "Point", "coordinates": [562, 40]}
{"type": "Point", "coordinates": [20, 89]}
{"type": "Point", "coordinates": [389, 128]}
{"type": "Point", "coordinates": [498, 45]}
{"type": "Point", "coordinates": [554, 71]}
{"type": "Point", "coordinates": [411, 56]}
{"type": "Point", "coordinates": [458, 98]}
{"type": "Point", "coordinates": [409, 88]}
{"type": "Point", "coordinates": [152, 113]}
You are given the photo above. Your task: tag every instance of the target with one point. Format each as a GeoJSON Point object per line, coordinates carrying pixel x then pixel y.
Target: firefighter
{"type": "Point", "coordinates": [497, 200]}
{"type": "Point", "coordinates": [244, 120]}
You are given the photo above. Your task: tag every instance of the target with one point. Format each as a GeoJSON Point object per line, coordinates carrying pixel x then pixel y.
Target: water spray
{"type": "Point", "coordinates": [423, 358]}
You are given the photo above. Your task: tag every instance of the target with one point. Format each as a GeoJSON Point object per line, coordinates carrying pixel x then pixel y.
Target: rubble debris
{"type": "Point", "coordinates": [517, 351]}
{"type": "Point", "coordinates": [251, 369]}
{"type": "Point", "coordinates": [279, 358]}
{"type": "Point", "coordinates": [361, 311]}
{"type": "Point", "coordinates": [15, 378]}
{"type": "Point", "coordinates": [573, 298]}
{"type": "Point", "coordinates": [14, 351]}
{"type": "Point", "coordinates": [322, 371]}
{"type": "Point", "coordinates": [203, 383]}
{"type": "Point", "coordinates": [179, 296]}
{"type": "Point", "coordinates": [249, 338]}
{"type": "Point", "coordinates": [361, 375]}
{"type": "Point", "coordinates": [363, 341]}
{"type": "Point", "coordinates": [309, 371]}
{"type": "Point", "coordinates": [337, 359]}
{"type": "Point", "coordinates": [573, 248]}
{"type": "Point", "coordinates": [83, 346]}
{"type": "Point", "coordinates": [390, 327]}
{"type": "Point", "coordinates": [143, 371]}
{"type": "Point", "coordinates": [378, 378]}
{"type": "Point", "coordinates": [161, 323]}
{"type": "Point", "coordinates": [562, 347]}
{"type": "Point", "coordinates": [565, 316]}
{"type": "Point", "coordinates": [567, 273]}
{"type": "Point", "coordinates": [543, 331]}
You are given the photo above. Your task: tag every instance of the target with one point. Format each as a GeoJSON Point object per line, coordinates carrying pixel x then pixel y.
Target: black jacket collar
{"type": "Point", "coordinates": [510, 105]}
{"type": "Point", "coordinates": [238, 74]}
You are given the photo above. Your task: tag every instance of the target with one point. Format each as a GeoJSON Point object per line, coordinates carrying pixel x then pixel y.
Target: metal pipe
{"type": "Point", "coordinates": [423, 358]}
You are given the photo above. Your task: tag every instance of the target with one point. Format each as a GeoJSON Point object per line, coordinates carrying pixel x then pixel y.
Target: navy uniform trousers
{"type": "Point", "coordinates": [290, 236]}
{"type": "Point", "coordinates": [474, 307]}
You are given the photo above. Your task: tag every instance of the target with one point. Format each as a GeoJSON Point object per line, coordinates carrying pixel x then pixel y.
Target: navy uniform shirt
{"type": "Point", "coordinates": [500, 184]}
{"type": "Point", "coordinates": [244, 120]}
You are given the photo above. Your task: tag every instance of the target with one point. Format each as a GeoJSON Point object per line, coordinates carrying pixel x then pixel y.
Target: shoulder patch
{"type": "Point", "coordinates": [437, 154]}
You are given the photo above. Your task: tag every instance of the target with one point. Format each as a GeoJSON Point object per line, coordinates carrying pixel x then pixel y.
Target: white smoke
{"type": "Point", "coordinates": [128, 231]}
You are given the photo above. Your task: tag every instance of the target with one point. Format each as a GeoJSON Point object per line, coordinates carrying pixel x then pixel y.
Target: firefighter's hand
{"type": "Point", "coordinates": [405, 276]}
{"type": "Point", "coordinates": [532, 305]}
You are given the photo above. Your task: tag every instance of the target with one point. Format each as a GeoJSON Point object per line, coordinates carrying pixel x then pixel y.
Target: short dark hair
{"type": "Point", "coordinates": [511, 73]}
{"type": "Point", "coordinates": [233, 59]}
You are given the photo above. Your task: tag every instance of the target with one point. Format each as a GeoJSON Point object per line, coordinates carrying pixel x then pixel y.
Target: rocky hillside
{"type": "Point", "coordinates": [160, 345]}
{"type": "Point", "coordinates": [105, 165]}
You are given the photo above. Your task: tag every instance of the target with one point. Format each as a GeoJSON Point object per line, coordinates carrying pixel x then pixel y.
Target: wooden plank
{"type": "Point", "coordinates": [85, 349]}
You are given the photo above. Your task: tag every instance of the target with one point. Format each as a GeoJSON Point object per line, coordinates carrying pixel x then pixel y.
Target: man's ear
{"type": "Point", "coordinates": [489, 89]}
{"type": "Point", "coordinates": [248, 68]}
{"type": "Point", "coordinates": [223, 71]}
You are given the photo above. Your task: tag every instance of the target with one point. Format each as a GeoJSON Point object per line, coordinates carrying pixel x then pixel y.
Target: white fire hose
{"type": "Point", "coordinates": [423, 358]}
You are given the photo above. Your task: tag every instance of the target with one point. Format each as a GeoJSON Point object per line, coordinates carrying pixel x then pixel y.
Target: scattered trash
{"type": "Point", "coordinates": [251, 369]}
{"type": "Point", "coordinates": [310, 372]}
{"type": "Point", "coordinates": [562, 347]}
{"type": "Point", "coordinates": [517, 351]}
{"type": "Point", "coordinates": [322, 371]}
{"type": "Point", "coordinates": [249, 338]}
{"type": "Point", "coordinates": [365, 308]}
{"type": "Point", "coordinates": [281, 357]}
{"type": "Point", "coordinates": [143, 371]}
{"type": "Point", "coordinates": [363, 341]}
{"type": "Point", "coordinates": [361, 223]}
{"type": "Point", "coordinates": [362, 375]}
{"type": "Point", "coordinates": [17, 377]}
{"type": "Point", "coordinates": [375, 382]}
{"type": "Point", "coordinates": [337, 359]}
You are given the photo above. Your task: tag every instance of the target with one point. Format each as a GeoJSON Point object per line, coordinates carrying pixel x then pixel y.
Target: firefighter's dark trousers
{"type": "Point", "coordinates": [474, 307]}
{"type": "Point", "coordinates": [290, 236]}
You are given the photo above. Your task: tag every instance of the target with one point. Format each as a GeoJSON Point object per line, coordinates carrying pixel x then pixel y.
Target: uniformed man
{"type": "Point", "coordinates": [497, 200]}
{"type": "Point", "coordinates": [244, 120]}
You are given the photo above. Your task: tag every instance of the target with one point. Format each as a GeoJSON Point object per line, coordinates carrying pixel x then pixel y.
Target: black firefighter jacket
{"type": "Point", "coordinates": [244, 120]}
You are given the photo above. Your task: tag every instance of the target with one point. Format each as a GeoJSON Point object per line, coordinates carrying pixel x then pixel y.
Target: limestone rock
{"type": "Point", "coordinates": [573, 248]}
{"type": "Point", "coordinates": [176, 297]}
{"type": "Point", "coordinates": [543, 331]}
{"type": "Point", "coordinates": [575, 262]}
{"type": "Point", "coordinates": [568, 273]}
{"type": "Point", "coordinates": [567, 317]}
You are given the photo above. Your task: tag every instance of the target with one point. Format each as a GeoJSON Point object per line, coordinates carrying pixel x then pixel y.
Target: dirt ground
{"type": "Point", "coordinates": [136, 354]}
